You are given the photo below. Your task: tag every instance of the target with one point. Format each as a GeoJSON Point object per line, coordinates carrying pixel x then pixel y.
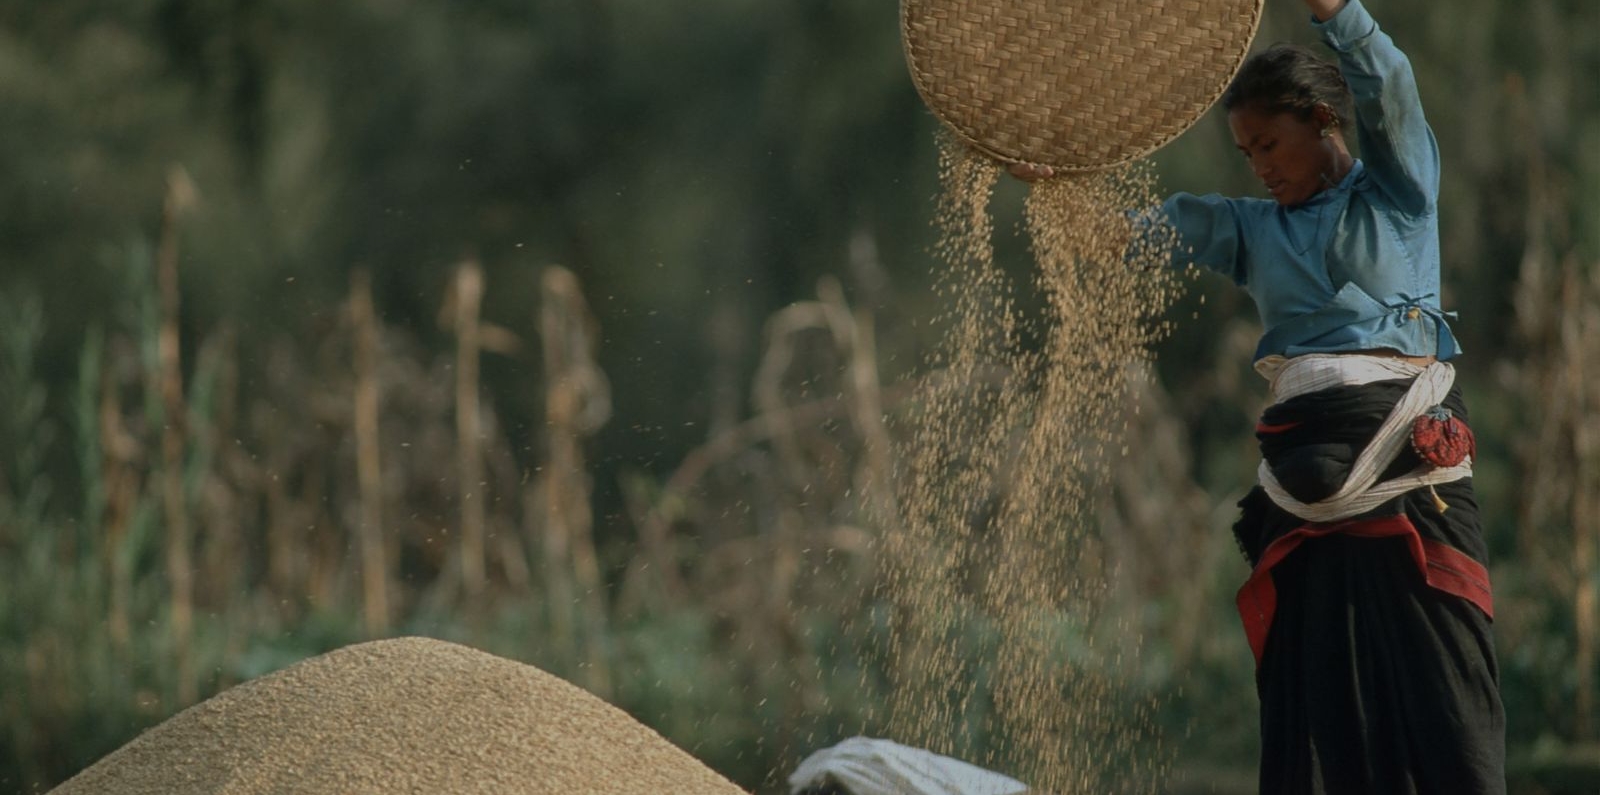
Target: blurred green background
{"type": "Point", "coordinates": [531, 324]}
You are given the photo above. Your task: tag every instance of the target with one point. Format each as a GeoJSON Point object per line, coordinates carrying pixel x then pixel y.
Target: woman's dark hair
{"type": "Point", "coordinates": [1289, 78]}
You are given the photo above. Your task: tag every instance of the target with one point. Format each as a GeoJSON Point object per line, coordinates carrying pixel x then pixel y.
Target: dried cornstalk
{"type": "Point", "coordinates": [213, 496]}
{"type": "Point", "coordinates": [179, 554]}
{"type": "Point", "coordinates": [1582, 338]}
{"type": "Point", "coordinates": [1561, 460]}
{"type": "Point", "coordinates": [468, 300]}
{"type": "Point", "coordinates": [374, 547]}
{"type": "Point", "coordinates": [577, 403]}
{"type": "Point", "coordinates": [856, 335]}
{"type": "Point", "coordinates": [282, 523]}
{"type": "Point", "coordinates": [852, 344]}
{"type": "Point", "coordinates": [120, 472]}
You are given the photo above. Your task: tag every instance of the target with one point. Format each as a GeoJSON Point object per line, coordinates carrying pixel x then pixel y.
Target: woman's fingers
{"type": "Point", "coordinates": [1027, 172]}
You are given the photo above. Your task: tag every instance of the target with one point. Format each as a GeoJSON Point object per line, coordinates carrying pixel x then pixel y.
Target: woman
{"type": "Point", "coordinates": [1368, 606]}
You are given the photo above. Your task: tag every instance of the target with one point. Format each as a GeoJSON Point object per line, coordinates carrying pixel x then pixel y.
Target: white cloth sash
{"type": "Point", "coordinates": [1361, 491]}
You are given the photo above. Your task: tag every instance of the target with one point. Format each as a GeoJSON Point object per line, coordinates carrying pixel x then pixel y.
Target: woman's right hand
{"type": "Point", "coordinates": [1028, 172]}
{"type": "Point", "coordinates": [1324, 10]}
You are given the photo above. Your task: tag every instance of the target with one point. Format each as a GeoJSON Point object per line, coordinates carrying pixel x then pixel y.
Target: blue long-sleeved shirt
{"type": "Point", "coordinates": [1356, 267]}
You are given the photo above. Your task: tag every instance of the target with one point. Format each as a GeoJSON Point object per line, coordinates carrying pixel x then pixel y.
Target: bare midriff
{"type": "Point", "coordinates": [1389, 353]}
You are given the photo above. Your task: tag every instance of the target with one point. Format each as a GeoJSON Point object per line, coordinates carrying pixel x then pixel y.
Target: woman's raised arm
{"type": "Point", "coordinates": [1396, 143]}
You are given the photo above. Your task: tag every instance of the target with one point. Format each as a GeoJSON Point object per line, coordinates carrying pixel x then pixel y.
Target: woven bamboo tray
{"type": "Point", "coordinates": [1076, 85]}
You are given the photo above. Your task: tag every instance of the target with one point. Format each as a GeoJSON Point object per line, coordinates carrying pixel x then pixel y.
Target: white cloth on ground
{"type": "Point", "coordinates": [868, 766]}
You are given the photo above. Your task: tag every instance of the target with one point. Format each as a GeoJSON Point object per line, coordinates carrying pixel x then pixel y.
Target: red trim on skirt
{"type": "Point", "coordinates": [1442, 566]}
{"type": "Point", "coordinates": [1262, 427]}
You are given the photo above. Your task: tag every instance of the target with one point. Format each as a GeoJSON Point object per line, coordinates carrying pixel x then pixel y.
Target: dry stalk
{"type": "Point", "coordinates": [324, 549]}
{"type": "Point", "coordinates": [1561, 462]}
{"type": "Point", "coordinates": [803, 516]}
{"type": "Point", "coordinates": [220, 551]}
{"type": "Point", "coordinates": [1583, 348]}
{"type": "Point", "coordinates": [180, 197]}
{"type": "Point", "coordinates": [282, 519]}
{"type": "Point", "coordinates": [783, 329]}
{"type": "Point", "coordinates": [468, 300]}
{"type": "Point", "coordinates": [577, 404]}
{"type": "Point", "coordinates": [120, 470]}
{"type": "Point", "coordinates": [653, 576]}
{"type": "Point", "coordinates": [855, 334]}
{"type": "Point", "coordinates": [542, 516]}
{"type": "Point", "coordinates": [374, 545]}
{"type": "Point", "coordinates": [655, 520]}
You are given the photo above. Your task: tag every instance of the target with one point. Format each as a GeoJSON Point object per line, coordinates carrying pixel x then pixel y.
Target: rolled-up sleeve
{"type": "Point", "coordinates": [1396, 142]}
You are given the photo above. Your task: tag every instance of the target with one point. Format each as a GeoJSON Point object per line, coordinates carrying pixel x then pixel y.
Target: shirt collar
{"type": "Point", "coordinates": [1357, 168]}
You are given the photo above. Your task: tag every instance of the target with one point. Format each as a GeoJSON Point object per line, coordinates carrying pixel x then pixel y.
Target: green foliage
{"type": "Point", "coordinates": [25, 430]}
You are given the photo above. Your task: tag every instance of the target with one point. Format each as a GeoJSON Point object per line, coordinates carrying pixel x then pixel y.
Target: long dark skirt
{"type": "Point", "coordinates": [1370, 679]}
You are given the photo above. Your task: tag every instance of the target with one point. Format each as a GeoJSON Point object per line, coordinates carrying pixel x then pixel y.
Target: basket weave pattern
{"type": "Point", "coordinates": [1079, 84]}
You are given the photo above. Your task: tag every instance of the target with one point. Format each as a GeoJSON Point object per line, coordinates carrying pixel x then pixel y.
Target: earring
{"type": "Point", "coordinates": [1327, 131]}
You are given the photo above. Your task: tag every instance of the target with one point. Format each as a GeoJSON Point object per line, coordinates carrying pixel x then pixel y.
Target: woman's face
{"type": "Point", "coordinates": [1288, 154]}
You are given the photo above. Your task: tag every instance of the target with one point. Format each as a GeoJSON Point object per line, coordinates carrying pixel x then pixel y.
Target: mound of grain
{"type": "Point", "coordinates": [410, 715]}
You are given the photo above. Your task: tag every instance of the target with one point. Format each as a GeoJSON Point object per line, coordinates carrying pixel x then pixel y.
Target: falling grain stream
{"type": "Point", "coordinates": [1002, 477]}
